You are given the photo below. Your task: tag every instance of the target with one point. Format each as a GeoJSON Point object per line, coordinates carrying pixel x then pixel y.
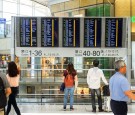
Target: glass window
{"type": "Point", "coordinates": [26, 7]}
{"type": "Point", "coordinates": [26, 2]}
{"type": "Point", "coordinates": [8, 17]}
{"type": "Point", "coordinates": [38, 13]}
{"type": "Point", "coordinates": [25, 10]}
{"type": "Point", "coordinates": [78, 64]}
{"type": "Point", "coordinates": [42, 11]}
{"type": "Point", "coordinates": [10, 7]}
{"type": "Point", "coordinates": [39, 6]}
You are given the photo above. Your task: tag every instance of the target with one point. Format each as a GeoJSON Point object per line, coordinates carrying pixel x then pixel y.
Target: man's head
{"type": "Point", "coordinates": [95, 63]}
{"type": "Point", "coordinates": [120, 66]}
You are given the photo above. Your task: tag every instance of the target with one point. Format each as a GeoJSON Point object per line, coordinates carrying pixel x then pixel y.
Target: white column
{"type": "Point", "coordinates": [1, 8]}
{"type": "Point", "coordinates": [18, 7]}
{"type": "Point", "coordinates": [33, 8]}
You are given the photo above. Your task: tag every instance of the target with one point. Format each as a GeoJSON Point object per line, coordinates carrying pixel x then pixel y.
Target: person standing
{"type": "Point", "coordinates": [13, 79]}
{"type": "Point", "coordinates": [120, 89]}
{"type": "Point", "coordinates": [94, 77]}
{"type": "Point", "coordinates": [71, 83]}
{"type": "Point", "coordinates": [6, 90]}
{"type": "Point", "coordinates": [82, 93]}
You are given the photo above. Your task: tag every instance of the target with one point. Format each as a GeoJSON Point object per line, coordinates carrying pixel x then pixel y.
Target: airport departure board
{"type": "Point", "coordinates": [71, 32]}
{"type": "Point", "coordinates": [92, 32]}
{"type": "Point", "coordinates": [113, 32]}
{"type": "Point", "coordinates": [28, 32]}
{"type": "Point", "coordinates": [49, 32]}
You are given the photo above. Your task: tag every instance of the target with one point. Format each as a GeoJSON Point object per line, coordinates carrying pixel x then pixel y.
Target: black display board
{"type": "Point", "coordinates": [92, 32]}
{"type": "Point", "coordinates": [28, 32]}
{"type": "Point", "coordinates": [113, 32]}
{"type": "Point", "coordinates": [71, 32]}
{"type": "Point", "coordinates": [49, 32]}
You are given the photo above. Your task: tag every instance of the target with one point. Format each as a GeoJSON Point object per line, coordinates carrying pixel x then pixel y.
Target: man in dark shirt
{"type": "Point", "coordinates": [7, 89]}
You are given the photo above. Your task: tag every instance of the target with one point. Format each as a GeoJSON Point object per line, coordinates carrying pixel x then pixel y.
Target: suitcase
{"type": "Point", "coordinates": [107, 107]}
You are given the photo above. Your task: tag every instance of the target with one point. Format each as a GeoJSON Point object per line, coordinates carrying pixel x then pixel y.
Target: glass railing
{"type": "Point", "coordinates": [51, 98]}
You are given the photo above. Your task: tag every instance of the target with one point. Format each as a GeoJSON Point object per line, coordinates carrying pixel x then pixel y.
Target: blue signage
{"type": "Point", "coordinates": [2, 20]}
{"type": "Point", "coordinates": [2, 27]}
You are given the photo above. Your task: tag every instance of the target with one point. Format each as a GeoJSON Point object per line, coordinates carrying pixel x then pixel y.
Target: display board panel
{"type": "Point", "coordinates": [28, 32]}
{"type": "Point", "coordinates": [113, 32]}
{"type": "Point", "coordinates": [92, 32]}
{"type": "Point", "coordinates": [71, 32]}
{"type": "Point", "coordinates": [49, 32]}
{"type": "Point", "coordinates": [71, 52]}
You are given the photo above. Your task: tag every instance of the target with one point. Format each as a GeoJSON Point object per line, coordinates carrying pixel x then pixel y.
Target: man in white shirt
{"type": "Point", "coordinates": [94, 77]}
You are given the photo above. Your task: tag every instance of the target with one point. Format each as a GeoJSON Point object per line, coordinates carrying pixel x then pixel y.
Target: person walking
{"type": "Point", "coordinates": [5, 91]}
{"type": "Point", "coordinates": [94, 77]}
{"type": "Point", "coordinates": [13, 79]}
{"type": "Point", "coordinates": [71, 83]}
{"type": "Point", "coordinates": [120, 89]}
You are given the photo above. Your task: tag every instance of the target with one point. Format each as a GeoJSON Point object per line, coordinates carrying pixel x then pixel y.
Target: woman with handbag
{"type": "Point", "coordinates": [71, 83]}
{"type": "Point", "coordinates": [13, 79]}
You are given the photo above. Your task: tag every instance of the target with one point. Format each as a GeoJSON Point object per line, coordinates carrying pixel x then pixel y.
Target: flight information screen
{"type": "Point", "coordinates": [49, 32]}
{"type": "Point", "coordinates": [92, 32]}
{"type": "Point", "coordinates": [71, 32]}
{"type": "Point", "coordinates": [28, 32]}
{"type": "Point", "coordinates": [113, 32]}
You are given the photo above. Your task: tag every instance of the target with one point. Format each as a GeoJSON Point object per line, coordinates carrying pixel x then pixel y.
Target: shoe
{"type": "Point", "coordinates": [71, 109]}
{"type": "Point", "coordinates": [94, 110]}
{"type": "Point", "coordinates": [64, 108]}
{"type": "Point", "coordinates": [101, 110]}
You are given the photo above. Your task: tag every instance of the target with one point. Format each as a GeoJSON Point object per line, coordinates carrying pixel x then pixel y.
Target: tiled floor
{"type": "Point", "coordinates": [33, 109]}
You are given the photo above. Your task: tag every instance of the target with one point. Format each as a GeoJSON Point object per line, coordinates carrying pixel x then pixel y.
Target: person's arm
{"type": "Point", "coordinates": [8, 91]}
{"type": "Point", "coordinates": [126, 88]}
{"type": "Point", "coordinates": [88, 77]}
{"type": "Point", "coordinates": [76, 81]}
{"type": "Point", "coordinates": [130, 94]}
{"type": "Point", "coordinates": [63, 78]}
{"type": "Point", "coordinates": [64, 74]}
{"type": "Point", "coordinates": [103, 78]}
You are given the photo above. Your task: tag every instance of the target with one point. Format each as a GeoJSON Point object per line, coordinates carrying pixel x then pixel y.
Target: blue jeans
{"type": "Point", "coordinates": [71, 92]}
{"type": "Point", "coordinates": [98, 92]}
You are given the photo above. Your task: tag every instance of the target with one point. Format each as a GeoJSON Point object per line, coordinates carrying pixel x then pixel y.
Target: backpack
{"type": "Point", "coordinates": [3, 98]}
{"type": "Point", "coordinates": [106, 91]}
{"type": "Point", "coordinates": [69, 80]}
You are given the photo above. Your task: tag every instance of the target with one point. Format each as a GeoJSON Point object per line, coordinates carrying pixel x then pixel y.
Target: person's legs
{"type": "Point", "coordinates": [119, 108]}
{"type": "Point", "coordinates": [15, 105]}
{"type": "Point", "coordinates": [9, 104]}
{"type": "Point", "coordinates": [98, 92]}
{"type": "Point", "coordinates": [65, 97]}
{"type": "Point", "coordinates": [93, 99]}
{"type": "Point", "coordinates": [71, 91]}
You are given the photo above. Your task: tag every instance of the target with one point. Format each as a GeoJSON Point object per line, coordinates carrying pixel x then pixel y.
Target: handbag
{"type": "Point", "coordinates": [62, 87]}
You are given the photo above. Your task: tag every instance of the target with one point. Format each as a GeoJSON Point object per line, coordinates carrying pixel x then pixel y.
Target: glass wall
{"type": "Point", "coordinates": [9, 8]}
{"type": "Point", "coordinates": [25, 8]}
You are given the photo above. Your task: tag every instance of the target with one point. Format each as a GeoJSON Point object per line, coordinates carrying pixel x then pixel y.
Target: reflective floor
{"type": "Point", "coordinates": [54, 109]}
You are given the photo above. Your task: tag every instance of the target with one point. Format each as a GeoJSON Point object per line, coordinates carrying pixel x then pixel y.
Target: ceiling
{"type": "Point", "coordinates": [49, 2]}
